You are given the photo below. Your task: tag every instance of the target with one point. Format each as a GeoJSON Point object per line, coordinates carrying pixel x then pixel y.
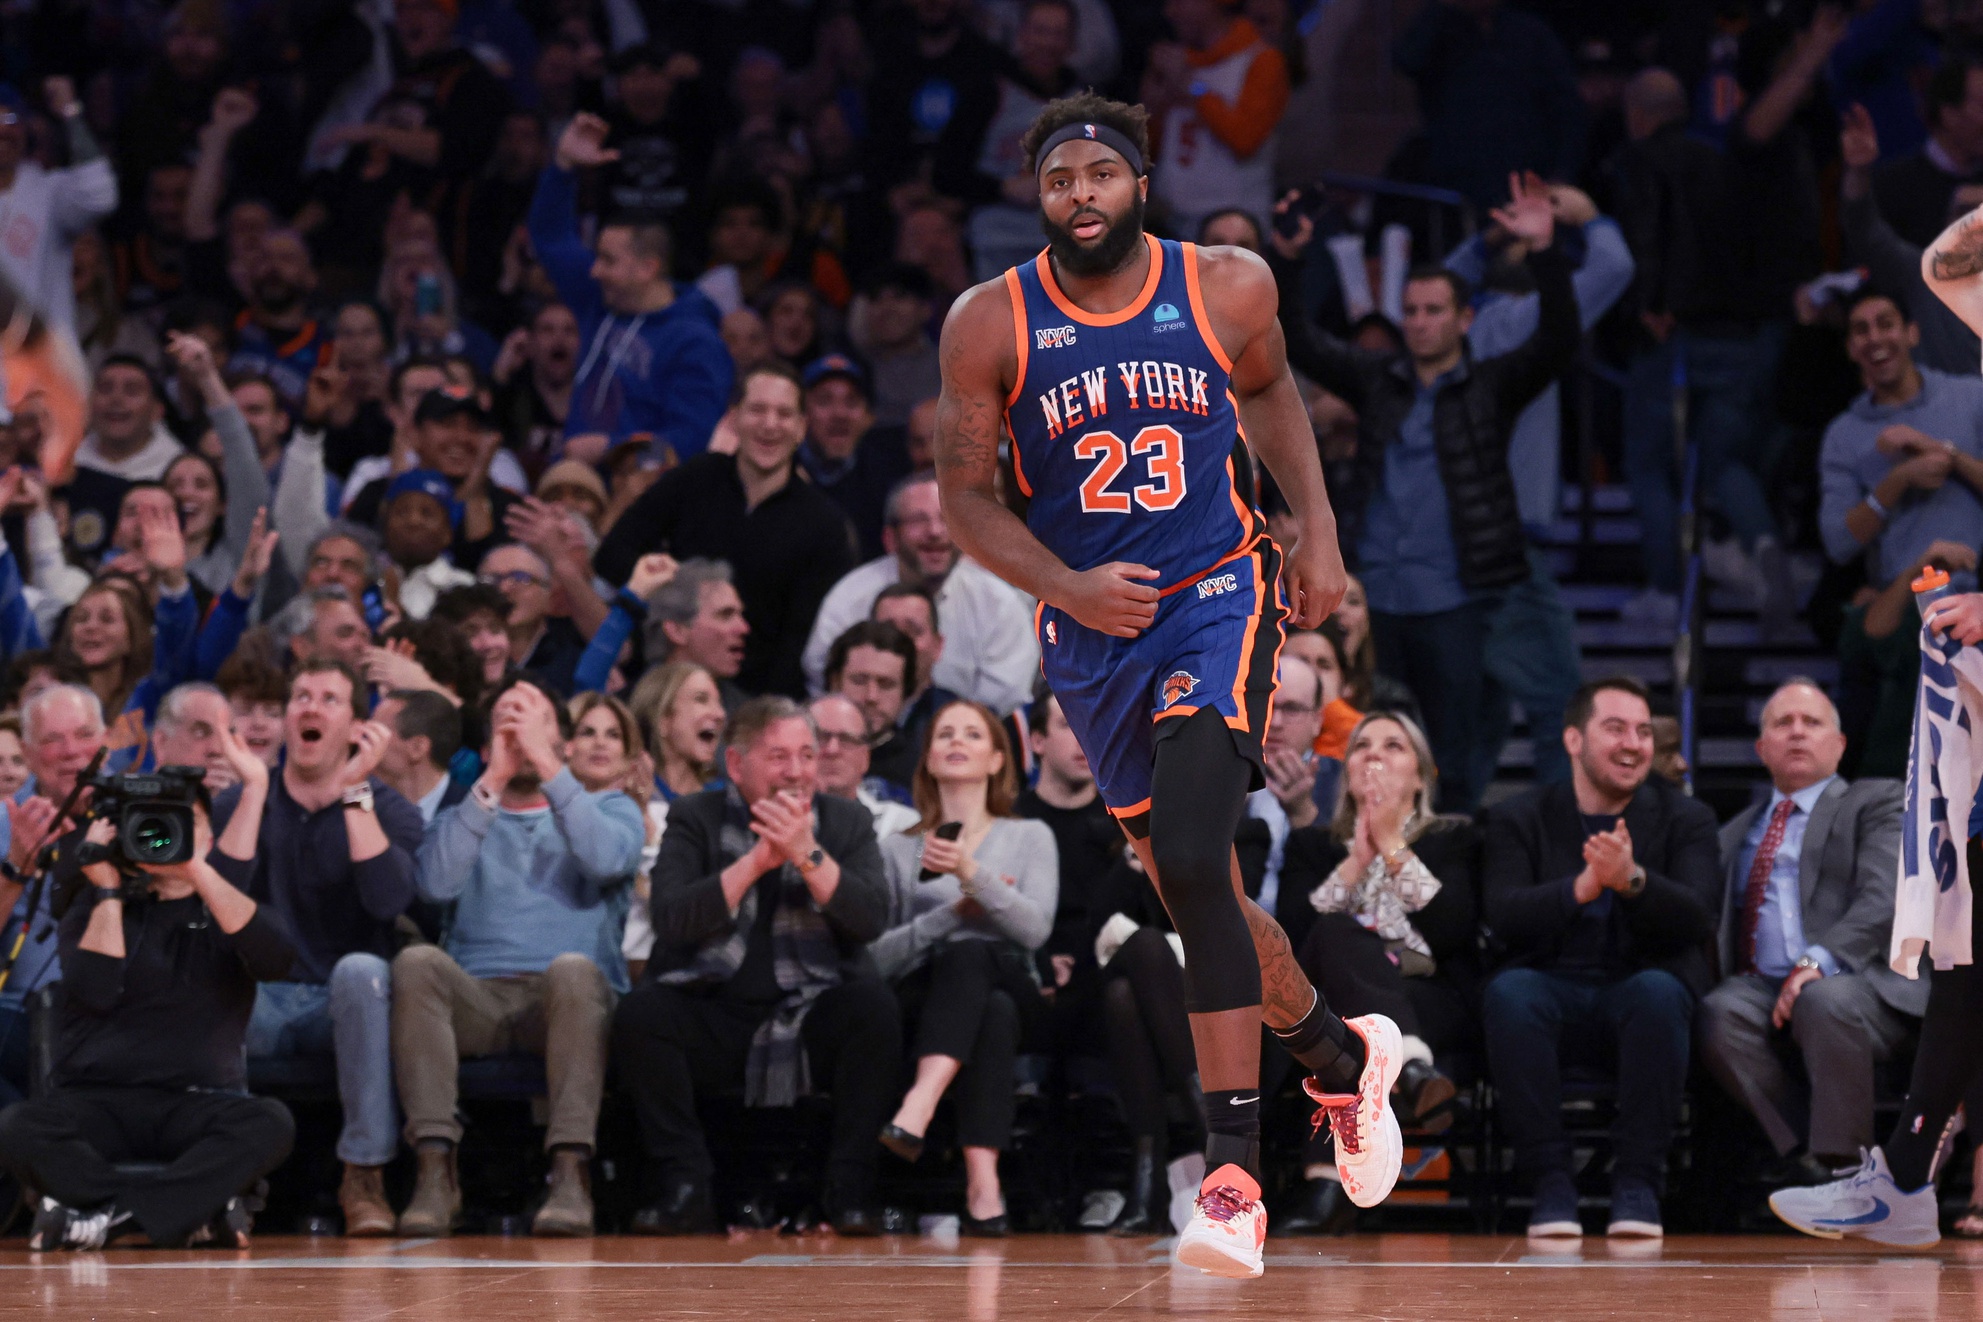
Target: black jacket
{"type": "Point", "coordinates": [1535, 844]}
{"type": "Point", "coordinates": [786, 554]}
{"type": "Point", "coordinates": [1472, 419]}
{"type": "Point", "coordinates": [687, 906]}
{"type": "Point", "coordinates": [173, 1013]}
{"type": "Point", "coordinates": [1677, 211]}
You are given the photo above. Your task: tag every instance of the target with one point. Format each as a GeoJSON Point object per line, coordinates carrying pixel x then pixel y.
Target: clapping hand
{"type": "Point", "coordinates": [783, 821]}
{"type": "Point", "coordinates": [28, 822]}
{"type": "Point", "coordinates": [369, 740]}
{"type": "Point", "coordinates": [1608, 857]}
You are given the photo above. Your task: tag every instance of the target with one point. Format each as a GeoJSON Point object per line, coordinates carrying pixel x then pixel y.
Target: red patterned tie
{"type": "Point", "coordinates": [1759, 884]}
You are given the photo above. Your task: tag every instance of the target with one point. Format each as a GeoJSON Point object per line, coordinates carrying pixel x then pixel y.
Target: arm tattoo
{"type": "Point", "coordinates": [1286, 994]}
{"type": "Point", "coordinates": [1962, 256]}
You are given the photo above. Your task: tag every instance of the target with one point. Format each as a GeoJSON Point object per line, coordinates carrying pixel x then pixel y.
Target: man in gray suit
{"type": "Point", "coordinates": [1805, 919]}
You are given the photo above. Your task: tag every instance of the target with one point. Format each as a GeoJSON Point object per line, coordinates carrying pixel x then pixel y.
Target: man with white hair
{"type": "Point", "coordinates": [1809, 1004]}
{"type": "Point", "coordinates": [192, 720]}
{"type": "Point", "coordinates": [61, 730]}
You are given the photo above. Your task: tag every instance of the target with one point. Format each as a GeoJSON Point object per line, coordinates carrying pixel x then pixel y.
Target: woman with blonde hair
{"type": "Point", "coordinates": [974, 890]}
{"type": "Point", "coordinates": [1391, 890]}
{"type": "Point", "coordinates": [680, 706]}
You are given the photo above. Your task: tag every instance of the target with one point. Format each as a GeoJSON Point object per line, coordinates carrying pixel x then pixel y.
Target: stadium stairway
{"type": "Point", "coordinates": [1598, 576]}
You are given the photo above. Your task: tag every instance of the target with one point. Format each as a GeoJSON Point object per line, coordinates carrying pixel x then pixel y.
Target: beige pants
{"type": "Point", "coordinates": [441, 1014]}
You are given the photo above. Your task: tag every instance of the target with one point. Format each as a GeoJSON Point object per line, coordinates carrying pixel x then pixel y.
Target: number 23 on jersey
{"type": "Point", "coordinates": [1160, 448]}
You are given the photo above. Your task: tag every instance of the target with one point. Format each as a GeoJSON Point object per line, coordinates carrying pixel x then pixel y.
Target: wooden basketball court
{"type": "Point", "coordinates": [768, 1278]}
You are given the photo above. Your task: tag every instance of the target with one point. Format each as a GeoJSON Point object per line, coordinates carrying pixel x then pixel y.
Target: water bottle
{"type": "Point", "coordinates": [1930, 587]}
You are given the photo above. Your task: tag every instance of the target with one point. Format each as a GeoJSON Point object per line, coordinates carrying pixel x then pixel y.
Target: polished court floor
{"type": "Point", "coordinates": [767, 1278]}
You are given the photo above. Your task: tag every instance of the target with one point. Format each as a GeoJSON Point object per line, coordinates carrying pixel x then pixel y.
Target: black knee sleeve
{"type": "Point", "coordinates": [1197, 797]}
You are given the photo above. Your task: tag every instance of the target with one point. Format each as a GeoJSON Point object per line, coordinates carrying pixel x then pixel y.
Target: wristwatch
{"type": "Point", "coordinates": [1637, 883]}
{"type": "Point", "coordinates": [1806, 962]}
{"type": "Point", "coordinates": [359, 796]}
{"type": "Point", "coordinates": [810, 863]}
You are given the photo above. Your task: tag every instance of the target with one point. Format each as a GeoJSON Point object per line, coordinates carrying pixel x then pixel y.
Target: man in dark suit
{"type": "Point", "coordinates": [1806, 916]}
{"type": "Point", "coordinates": [1600, 898]}
{"type": "Point", "coordinates": [765, 897]}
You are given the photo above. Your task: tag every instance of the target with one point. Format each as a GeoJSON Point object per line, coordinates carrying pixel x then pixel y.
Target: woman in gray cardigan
{"type": "Point", "coordinates": [960, 944]}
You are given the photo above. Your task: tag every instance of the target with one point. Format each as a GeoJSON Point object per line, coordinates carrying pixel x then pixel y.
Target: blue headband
{"type": "Point", "coordinates": [1102, 133]}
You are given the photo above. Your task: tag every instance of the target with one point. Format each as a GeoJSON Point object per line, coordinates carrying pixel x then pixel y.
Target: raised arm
{"type": "Point", "coordinates": [1952, 265]}
{"type": "Point", "coordinates": [1241, 301]}
{"type": "Point", "coordinates": [980, 371]}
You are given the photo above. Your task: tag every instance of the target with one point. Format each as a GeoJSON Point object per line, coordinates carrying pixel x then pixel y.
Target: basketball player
{"type": "Point", "coordinates": [1891, 1198]}
{"type": "Point", "coordinates": [1124, 368]}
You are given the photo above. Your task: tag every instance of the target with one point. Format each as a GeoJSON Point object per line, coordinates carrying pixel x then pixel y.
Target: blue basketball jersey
{"type": "Point", "coordinates": [1123, 426]}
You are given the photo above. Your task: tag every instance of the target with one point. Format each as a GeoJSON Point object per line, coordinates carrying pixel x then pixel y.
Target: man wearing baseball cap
{"type": "Point", "coordinates": [454, 434]}
{"type": "Point", "coordinates": [418, 517]}
{"type": "Point", "coordinates": [845, 454]}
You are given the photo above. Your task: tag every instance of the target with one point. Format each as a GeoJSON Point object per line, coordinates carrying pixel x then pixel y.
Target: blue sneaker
{"type": "Point", "coordinates": [1555, 1213]}
{"type": "Point", "coordinates": [1866, 1203]}
{"type": "Point", "coordinates": [1634, 1209]}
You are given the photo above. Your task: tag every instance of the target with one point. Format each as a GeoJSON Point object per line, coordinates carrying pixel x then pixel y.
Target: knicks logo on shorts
{"type": "Point", "coordinates": [1053, 337]}
{"type": "Point", "coordinates": [1217, 585]}
{"type": "Point", "coordinates": [1178, 686]}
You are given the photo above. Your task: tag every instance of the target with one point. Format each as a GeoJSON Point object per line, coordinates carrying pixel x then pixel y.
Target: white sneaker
{"type": "Point", "coordinates": [1865, 1203]}
{"type": "Point", "coordinates": [1370, 1151]}
{"type": "Point", "coordinates": [1228, 1226]}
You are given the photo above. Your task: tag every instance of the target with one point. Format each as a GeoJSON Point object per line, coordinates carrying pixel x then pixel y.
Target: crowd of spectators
{"type": "Point", "coordinates": [493, 443]}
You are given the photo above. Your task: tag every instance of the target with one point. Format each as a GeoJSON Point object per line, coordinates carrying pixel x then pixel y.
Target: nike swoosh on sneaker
{"type": "Point", "coordinates": [1879, 1213]}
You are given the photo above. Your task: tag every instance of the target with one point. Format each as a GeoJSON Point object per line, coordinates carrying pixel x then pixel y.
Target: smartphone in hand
{"type": "Point", "coordinates": [947, 831]}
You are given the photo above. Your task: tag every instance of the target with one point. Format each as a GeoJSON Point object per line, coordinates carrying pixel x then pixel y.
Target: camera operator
{"type": "Point", "coordinates": [159, 980]}
{"type": "Point", "coordinates": [330, 848]}
{"type": "Point", "coordinates": [61, 730]}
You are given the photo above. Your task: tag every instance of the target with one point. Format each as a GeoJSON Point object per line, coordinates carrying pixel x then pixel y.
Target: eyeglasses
{"type": "Point", "coordinates": [515, 578]}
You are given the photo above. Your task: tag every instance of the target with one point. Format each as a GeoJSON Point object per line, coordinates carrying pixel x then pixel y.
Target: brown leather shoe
{"type": "Point", "coordinates": [436, 1205]}
{"type": "Point", "coordinates": [363, 1198]}
{"type": "Point", "coordinates": [567, 1209]}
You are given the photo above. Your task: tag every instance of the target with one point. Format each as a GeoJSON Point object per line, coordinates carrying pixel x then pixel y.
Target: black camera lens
{"type": "Point", "coordinates": [153, 836]}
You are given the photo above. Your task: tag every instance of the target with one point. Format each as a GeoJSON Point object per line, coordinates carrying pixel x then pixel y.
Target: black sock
{"type": "Point", "coordinates": [1329, 1048]}
{"type": "Point", "coordinates": [1232, 1124]}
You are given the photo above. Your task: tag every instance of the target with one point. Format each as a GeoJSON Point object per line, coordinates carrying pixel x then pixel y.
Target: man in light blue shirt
{"type": "Point", "coordinates": [1808, 1005]}
{"type": "Point", "coordinates": [537, 867]}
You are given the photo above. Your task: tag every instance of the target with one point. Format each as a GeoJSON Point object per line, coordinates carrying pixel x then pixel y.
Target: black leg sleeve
{"type": "Point", "coordinates": [1197, 797]}
{"type": "Point", "coordinates": [1945, 1065]}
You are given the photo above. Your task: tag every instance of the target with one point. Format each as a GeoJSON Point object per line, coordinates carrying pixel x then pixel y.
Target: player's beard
{"type": "Point", "coordinates": [1107, 255]}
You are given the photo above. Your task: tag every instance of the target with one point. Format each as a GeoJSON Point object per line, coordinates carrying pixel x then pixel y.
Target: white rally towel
{"type": "Point", "coordinates": [1932, 898]}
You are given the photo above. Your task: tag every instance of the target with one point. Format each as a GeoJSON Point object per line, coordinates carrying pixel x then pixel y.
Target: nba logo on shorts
{"type": "Point", "coordinates": [1053, 635]}
{"type": "Point", "coordinates": [1178, 686]}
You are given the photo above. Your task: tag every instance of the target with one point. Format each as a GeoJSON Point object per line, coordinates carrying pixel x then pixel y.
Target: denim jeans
{"type": "Point", "coordinates": [1635, 1028]}
{"type": "Point", "coordinates": [1727, 388]}
{"type": "Point", "coordinates": [352, 1019]}
{"type": "Point", "coordinates": [1439, 657]}
{"type": "Point", "coordinates": [1532, 654]}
